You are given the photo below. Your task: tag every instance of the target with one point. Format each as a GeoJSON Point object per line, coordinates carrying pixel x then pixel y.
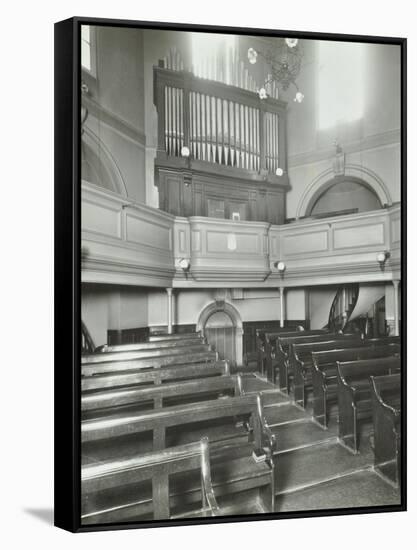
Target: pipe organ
{"type": "Point", "coordinates": [219, 149]}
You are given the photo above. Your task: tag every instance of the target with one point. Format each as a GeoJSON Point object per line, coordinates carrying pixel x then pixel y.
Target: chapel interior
{"type": "Point", "coordinates": [240, 274]}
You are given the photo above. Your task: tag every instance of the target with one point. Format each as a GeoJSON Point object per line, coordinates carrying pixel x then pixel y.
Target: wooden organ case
{"type": "Point", "coordinates": [219, 148]}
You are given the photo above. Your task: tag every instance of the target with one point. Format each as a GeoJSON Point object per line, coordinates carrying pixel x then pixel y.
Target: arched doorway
{"type": "Point", "coordinates": [221, 324]}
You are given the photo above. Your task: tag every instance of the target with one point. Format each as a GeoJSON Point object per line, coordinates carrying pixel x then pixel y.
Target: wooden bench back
{"type": "Point", "coordinates": [134, 395]}
{"type": "Point", "coordinates": [91, 369]}
{"type": "Point", "coordinates": [304, 350]}
{"type": "Point", "coordinates": [155, 376]}
{"type": "Point", "coordinates": [142, 354]}
{"type": "Point", "coordinates": [143, 346]}
{"type": "Point", "coordinates": [159, 420]}
{"type": "Point", "coordinates": [156, 467]}
{"type": "Point", "coordinates": [351, 371]}
{"type": "Point", "coordinates": [365, 351]}
{"type": "Point", "coordinates": [272, 336]}
{"type": "Point", "coordinates": [173, 337]}
{"type": "Point", "coordinates": [384, 340]}
{"type": "Point", "coordinates": [283, 344]}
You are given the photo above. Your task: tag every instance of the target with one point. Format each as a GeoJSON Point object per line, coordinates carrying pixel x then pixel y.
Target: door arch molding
{"type": "Point", "coordinates": [233, 314]}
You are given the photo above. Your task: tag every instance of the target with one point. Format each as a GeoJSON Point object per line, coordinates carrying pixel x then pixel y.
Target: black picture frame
{"type": "Point", "coordinates": [68, 271]}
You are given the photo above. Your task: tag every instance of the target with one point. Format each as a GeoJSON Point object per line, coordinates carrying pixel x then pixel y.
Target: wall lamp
{"type": "Point", "coordinates": [280, 266]}
{"type": "Point", "coordinates": [184, 264]}
{"type": "Point", "coordinates": [382, 257]}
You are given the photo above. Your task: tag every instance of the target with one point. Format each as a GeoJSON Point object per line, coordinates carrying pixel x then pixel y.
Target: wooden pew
{"type": "Point", "coordinates": [241, 466]}
{"type": "Point", "coordinates": [112, 366]}
{"type": "Point", "coordinates": [354, 394]}
{"type": "Point", "coordinates": [281, 365]}
{"type": "Point", "coordinates": [270, 339]}
{"type": "Point", "coordinates": [157, 421]}
{"type": "Point", "coordinates": [324, 373]}
{"type": "Point", "coordinates": [260, 344]}
{"type": "Point", "coordinates": [145, 353]}
{"type": "Point", "coordinates": [155, 375]}
{"type": "Point", "coordinates": [386, 414]}
{"type": "Point", "coordinates": [142, 346]}
{"type": "Point", "coordinates": [301, 363]}
{"type": "Point", "coordinates": [116, 491]}
{"type": "Point", "coordinates": [174, 337]}
{"type": "Point", "coordinates": [106, 402]}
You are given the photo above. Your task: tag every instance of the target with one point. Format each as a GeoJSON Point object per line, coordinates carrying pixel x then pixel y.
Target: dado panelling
{"type": "Point", "coordinates": [124, 242]}
{"type": "Point", "coordinates": [360, 236]}
{"type": "Point", "coordinates": [221, 247]}
{"type": "Point", "coordinates": [305, 242]}
{"type": "Point", "coordinates": [101, 215]}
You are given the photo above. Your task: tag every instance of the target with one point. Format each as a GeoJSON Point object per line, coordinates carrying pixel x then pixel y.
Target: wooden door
{"type": "Point", "coordinates": [221, 334]}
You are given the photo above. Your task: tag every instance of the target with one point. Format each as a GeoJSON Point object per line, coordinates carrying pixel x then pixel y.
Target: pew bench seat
{"type": "Point", "coordinates": [132, 398]}
{"type": "Point", "coordinates": [282, 366]}
{"type": "Point", "coordinates": [243, 454]}
{"type": "Point", "coordinates": [135, 364]}
{"type": "Point", "coordinates": [154, 375]}
{"type": "Point", "coordinates": [354, 394]}
{"type": "Point", "coordinates": [301, 364]}
{"type": "Point", "coordinates": [324, 374]}
{"type": "Point", "coordinates": [234, 483]}
{"type": "Point", "coordinates": [139, 488]}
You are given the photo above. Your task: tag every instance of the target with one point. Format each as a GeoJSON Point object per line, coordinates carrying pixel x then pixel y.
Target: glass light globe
{"type": "Point", "coordinates": [291, 42]}
{"type": "Point", "coordinates": [252, 55]}
{"type": "Point", "coordinates": [184, 263]}
{"type": "Point", "coordinates": [185, 152]}
{"type": "Point", "coordinates": [262, 93]}
{"type": "Point", "coordinates": [279, 172]}
{"type": "Point", "coordinates": [299, 97]}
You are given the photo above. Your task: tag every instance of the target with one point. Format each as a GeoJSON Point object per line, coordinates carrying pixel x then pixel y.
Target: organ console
{"type": "Point", "coordinates": [221, 149]}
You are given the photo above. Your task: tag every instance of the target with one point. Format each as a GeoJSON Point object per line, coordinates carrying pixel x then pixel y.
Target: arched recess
{"type": "Point", "coordinates": [97, 164]}
{"type": "Point", "coordinates": [353, 172]}
{"type": "Point", "coordinates": [221, 324]}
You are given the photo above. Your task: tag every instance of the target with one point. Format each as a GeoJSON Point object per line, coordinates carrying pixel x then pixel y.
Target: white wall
{"type": "Point", "coordinates": [372, 142]}
{"type": "Point", "coordinates": [116, 114]}
{"type": "Point", "coordinates": [111, 307]}
{"type": "Point", "coordinates": [256, 305]}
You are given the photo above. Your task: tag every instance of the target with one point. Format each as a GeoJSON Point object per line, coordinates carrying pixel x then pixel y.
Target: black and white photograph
{"type": "Point", "coordinates": [240, 344]}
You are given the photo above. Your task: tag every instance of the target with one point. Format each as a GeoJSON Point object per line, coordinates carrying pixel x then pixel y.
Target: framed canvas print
{"type": "Point", "coordinates": [230, 282]}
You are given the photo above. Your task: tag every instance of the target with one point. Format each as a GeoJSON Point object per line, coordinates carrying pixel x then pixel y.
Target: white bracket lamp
{"type": "Point", "coordinates": [280, 266]}
{"type": "Point", "coordinates": [184, 264]}
{"type": "Point", "coordinates": [382, 257]}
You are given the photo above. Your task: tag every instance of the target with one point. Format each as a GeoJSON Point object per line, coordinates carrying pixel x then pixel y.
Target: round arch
{"type": "Point", "coordinates": [100, 164]}
{"type": "Point", "coordinates": [326, 179]}
{"type": "Point", "coordinates": [236, 321]}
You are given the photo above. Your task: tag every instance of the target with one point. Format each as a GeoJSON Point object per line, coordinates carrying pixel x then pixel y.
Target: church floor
{"type": "Point", "coordinates": [313, 471]}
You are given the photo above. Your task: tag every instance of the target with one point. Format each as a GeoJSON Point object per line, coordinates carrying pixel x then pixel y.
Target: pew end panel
{"type": "Point", "coordinates": [348, 436]}
{"type": "Point", "coordinates": [386, 412]}
{"type": "Point", "coordinates": [354, 394]}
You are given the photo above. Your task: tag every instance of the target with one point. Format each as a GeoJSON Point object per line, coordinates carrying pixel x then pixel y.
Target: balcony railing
{"type": "Point", "coordinates": [128, 243]}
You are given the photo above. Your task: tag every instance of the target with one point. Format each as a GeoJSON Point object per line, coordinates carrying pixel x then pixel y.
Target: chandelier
{"type": "Point", "coordinates": [284, 58]}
